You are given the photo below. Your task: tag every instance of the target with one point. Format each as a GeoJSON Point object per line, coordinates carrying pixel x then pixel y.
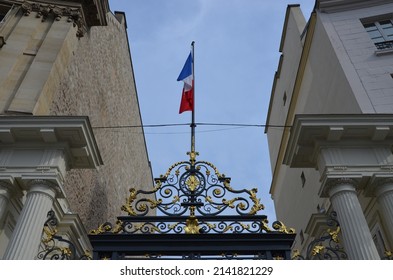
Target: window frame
{"type": "Point", "coordinates": [386, 46]}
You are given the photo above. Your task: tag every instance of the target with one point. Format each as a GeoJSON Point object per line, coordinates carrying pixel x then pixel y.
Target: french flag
{"type": "Point", "coordinates": [187, 76]}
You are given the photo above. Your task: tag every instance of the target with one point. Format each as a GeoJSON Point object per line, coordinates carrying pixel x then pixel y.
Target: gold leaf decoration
{"type": "Point", "coordinates": [317, 249]}
{"type": "Point", "coordinates": [101, 229]}
{"type": "Point", "coordinates": [334, 234]}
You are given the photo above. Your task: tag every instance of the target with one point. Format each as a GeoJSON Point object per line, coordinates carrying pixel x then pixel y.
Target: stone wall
{"type": "Point", "coordinates": [99, 82]}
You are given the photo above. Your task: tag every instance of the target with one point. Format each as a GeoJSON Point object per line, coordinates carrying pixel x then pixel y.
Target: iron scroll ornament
{"type": "Point", "coordinates": [55, 246]}
{"type": "Point", "coordinates": [192, 197]}
{"type": "Point", "coordinates": [327, 246]}
{"type": "Point", "coordinates": [194, 188]}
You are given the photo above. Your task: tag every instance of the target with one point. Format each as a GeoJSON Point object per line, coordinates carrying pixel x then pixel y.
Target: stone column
{"type": "Point", "coordinates": [5, 195]}
{"type": "Point", "coordinates": [384, 194]}
{"type": "Point", "coordinates": [26, 238]}
{"type": "Point", "coordinates": [357, 239]}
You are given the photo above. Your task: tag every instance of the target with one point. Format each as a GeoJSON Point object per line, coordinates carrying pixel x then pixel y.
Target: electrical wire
{"type": "Point", "coordinates": [188, 124]}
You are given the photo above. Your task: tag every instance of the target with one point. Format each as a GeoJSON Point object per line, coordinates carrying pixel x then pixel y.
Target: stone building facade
{"type": "Point", "coordinates": [333, 95]}
{"type": "Point", "coordinates": [71, 59]}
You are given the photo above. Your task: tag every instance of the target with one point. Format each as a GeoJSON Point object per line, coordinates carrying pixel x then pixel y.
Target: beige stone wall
{"type": "Point", "coordinates": [99, 82]}
{"type": "Point", "coordinates": [46, 69]}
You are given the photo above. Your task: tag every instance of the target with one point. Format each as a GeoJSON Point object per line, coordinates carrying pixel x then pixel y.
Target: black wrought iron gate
{"type": "Point", "coordinates": [184, 217]}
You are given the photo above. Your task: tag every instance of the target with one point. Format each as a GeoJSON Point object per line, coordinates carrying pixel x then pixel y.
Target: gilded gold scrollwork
{"type": "Point", "coordinates": [334, 234]}
{"type": "Point", "coordinates": [318, 249]}
{"type": "Point", "coordinates": [105, 227]}
{"type": "Point", "coordinates": [257, 203]}
{"type": "Point", "coordinates": [280, 227]}
{"type": "Point", "coordinates": [128, 206]}
{"type": "Point", "coordinates": [49, 234]}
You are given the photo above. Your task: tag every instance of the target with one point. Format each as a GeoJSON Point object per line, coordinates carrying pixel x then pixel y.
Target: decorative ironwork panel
{"type": "Point", "coordinates": [326, 247]}
{"type": "Point", "coordinates": [198, 215]}
{"type": "Point", "coordinates": [55, 246]}
{"type": "Point", "coordinates": [193, 187]}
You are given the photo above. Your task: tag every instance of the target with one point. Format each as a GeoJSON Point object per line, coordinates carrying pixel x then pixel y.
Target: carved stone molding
{"type": "Point", "coordinates": [43, 11]}
{"type": "Point", "coordinates": [6, 189]}
{"type": "Point", "coordinates": [46, 183]}
{"type": "Point", "coordinates": [6, 185]}
{"type": "Point", "coordinates": [379, 185]}
{"type": "Point", "coordinates": [331, 183]}
{"type": "Point", "coordinates": [34, 182]}
{"type": "Point", "coordinates": [383, 181]}
{"type": "Point", "coordinates": [341, 181]}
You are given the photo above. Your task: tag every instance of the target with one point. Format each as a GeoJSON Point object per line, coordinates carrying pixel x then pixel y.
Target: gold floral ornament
{"type": "Point", "coordinates": [142, 207]}
{"type": "Point", "coordinates": [192, 182]}
{"type": "Point", "coordinates": [105, 227]}
{"type": "Point", "coordinates": [193, 156]}
{"type": "Point", "coordinates": [257, 202]}
{"type": "Point", "coordinates": [192, 226]}
{"type": "Point", "coordinates": [66, 251]}
{"type": "Point", "coordinates": [265, 225]}
{"type": "Point", "coordinates": [334, 234]}
{"type": "Point", "coordinates": [280, 227]}
{"type": "Point", "coordinates": [230, 203]}
{"type": "Point", "coordinates": [295, 254]}
{"type": "Point", "coordinates": [128, 206]}
{"type": "Point", "coordinates": [317, 250]}
{"type": "Point", "coordinates": [49, 234]}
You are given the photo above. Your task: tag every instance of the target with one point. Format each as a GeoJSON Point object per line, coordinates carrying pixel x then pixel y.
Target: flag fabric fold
{"type": "Point", "coordinates": [187, 76]}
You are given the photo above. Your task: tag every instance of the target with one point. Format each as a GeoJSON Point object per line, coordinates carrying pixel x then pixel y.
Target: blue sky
{"type": "Point", "coordinates": [236, 56]}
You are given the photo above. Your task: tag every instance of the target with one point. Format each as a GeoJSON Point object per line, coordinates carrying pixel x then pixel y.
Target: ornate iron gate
{"type": "Point", "coordinates": [191, 201]}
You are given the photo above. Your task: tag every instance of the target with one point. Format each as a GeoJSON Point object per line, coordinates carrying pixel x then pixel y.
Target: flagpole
{"type": "Point", "coordinates": [193, 109]}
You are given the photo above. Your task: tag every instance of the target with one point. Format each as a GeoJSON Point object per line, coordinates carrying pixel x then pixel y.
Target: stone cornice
{"type": "Point", "coordinates": [311, 132]}
{"type": "Point", "coordinates": [73, 134]}
{"type": "Point", "coordinates": [332, 6]}
{"type": "Point", "coordinates": [82, 13]}
{"type": "Point", "coordinates": [43, 11]}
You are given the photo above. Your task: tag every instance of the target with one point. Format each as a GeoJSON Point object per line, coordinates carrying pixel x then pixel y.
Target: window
{"type": "Point", "coordinates": [381, 33]}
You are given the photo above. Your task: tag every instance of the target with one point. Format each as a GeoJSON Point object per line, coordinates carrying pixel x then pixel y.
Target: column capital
{"type": "Point", "coordinates": [332, 185]}
{"type": "Point", "coordinates": [44, 186]}
{"type": "Point", "coordinates": [379, 184]}
{"type": "Point", "coordinates": [8, 187]}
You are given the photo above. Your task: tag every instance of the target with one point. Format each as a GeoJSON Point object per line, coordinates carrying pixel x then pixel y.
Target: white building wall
{"type": "Point", "coordinates": [291, 52]}
{"type": "Point", "coordinates": [325, 88]}
{"type": "Point", "coordinates": [350, 39]}
{"type": "Point", "coordinates": [344, 74]}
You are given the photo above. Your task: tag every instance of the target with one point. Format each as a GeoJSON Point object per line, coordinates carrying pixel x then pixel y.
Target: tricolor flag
{"type": "Point", "coordinates": [187, 76]}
